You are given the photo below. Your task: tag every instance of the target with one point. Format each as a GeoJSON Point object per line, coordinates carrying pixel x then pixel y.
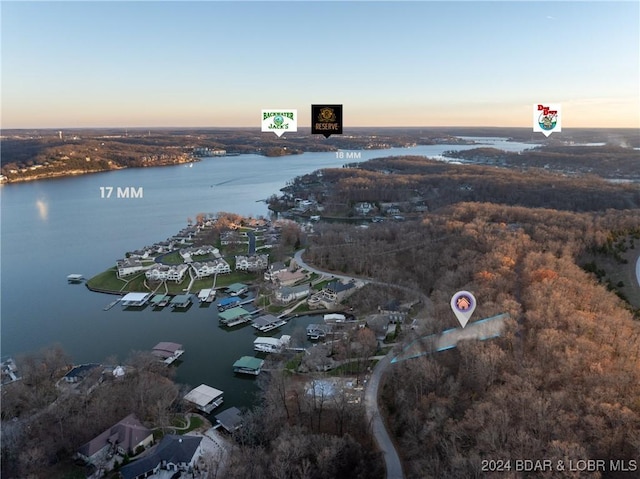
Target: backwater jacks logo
{"type": "Point", "coordinates": [547, 118]}
{"type": "Point", "coordinates": [280, 121]}
{"type": "Point", "coordinates": [326, 120]}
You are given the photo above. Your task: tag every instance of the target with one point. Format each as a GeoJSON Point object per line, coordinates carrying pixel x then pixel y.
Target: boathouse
{"type": "Point", "coordinates": [248, 365]}
{"type": "Point", "coordinates": [234, 316]}
{"type": "Point", "coordinates": [135, 299]}
{"type": "Point", "coordinates": [205, 398]}
{"type": "Point", "coordinates": [167, 352]}
{"type": "Point", "coordinates": [230, 419]}
{"type": "Point", "coordinates": [268, 322]}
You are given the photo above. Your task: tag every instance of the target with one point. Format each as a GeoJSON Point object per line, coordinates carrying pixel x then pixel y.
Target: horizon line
{"type": "Point", "coordinates": [258, 128]}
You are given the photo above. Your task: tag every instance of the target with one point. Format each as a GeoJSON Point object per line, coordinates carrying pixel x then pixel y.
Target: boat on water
{"type": "Point", "coordinates": [75, 278]}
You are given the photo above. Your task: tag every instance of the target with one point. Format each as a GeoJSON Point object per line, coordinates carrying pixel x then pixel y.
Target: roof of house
{"type": "Point", "coordinates": [338, 287]}
{"type": "Point", "coordinates": [203, 395]}
{"type": "Point", "coordinates": [230, 419]}
{"type": "Point", "coordinates": [81, 370]}
{"type": "Point", "coordinates": [127, 434]}
{"type": "Point", "coordinates": [172, 449]}
{"type": "Point", "coordinates": [278, 266]}
{"type": "Point", "coordinates": [286, 290]}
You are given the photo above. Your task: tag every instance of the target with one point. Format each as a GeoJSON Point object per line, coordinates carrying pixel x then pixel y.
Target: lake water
{"type": "Point", "coordinates": [53, 228]}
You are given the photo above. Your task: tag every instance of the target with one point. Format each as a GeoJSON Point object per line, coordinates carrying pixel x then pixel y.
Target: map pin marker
{"type": "Point", "coordinates": [463, 305]}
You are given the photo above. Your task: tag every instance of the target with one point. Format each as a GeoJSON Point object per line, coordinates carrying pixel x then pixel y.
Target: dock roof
{"type": "Point", "coordinates": [233, 313]}
{"type": "Point", "coordinates": [134, 299]}
{"type": "Point", "coordinates": [248, 362]}
{"type": "Point", "coordinates": [265, 320]}
{"type": "Point", "coordinates": [203, 395]}
{"type": "Point", "coordinates": [236, 287]}
{"type": "Point", "coordinates": [166, 349]}
{"type": "Point", "coordinates": [230, 419]}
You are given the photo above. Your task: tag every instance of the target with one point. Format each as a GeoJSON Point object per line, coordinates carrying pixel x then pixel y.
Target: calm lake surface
{"type": "Point", "coordinates": [52, 228]}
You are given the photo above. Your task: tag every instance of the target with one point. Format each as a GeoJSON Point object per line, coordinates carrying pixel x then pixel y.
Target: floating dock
{"type": "Point", "coordinates": [248, 365]}
{"type": "Point", "coordinates": [268, 322]}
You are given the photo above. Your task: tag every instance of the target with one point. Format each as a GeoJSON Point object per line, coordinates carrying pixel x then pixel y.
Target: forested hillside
{"type": "Point", "coordinates": [563, 382]}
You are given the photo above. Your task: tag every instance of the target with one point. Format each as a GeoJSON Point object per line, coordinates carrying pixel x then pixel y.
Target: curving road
{"type": "Point", "coordinates": [380, 433]}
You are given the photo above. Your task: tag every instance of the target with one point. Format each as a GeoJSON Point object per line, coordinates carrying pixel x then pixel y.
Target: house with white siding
{"type": "Point", "coordinates": [208, 268]}
{"type": "Point", "coordinates": [165, 272]}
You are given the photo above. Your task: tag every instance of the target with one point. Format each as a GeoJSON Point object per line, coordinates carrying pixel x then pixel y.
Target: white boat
{"type": "Point", "coordinates": [271, 345]}
{"type": "Point", "coordinates": [75, 278]}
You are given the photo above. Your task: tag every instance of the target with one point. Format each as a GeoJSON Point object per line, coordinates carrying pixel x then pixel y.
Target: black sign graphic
{"type": "Point", "coordinates": [326, 120]}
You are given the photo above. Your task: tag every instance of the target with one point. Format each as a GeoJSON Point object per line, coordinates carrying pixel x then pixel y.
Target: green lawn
{"type": "Point", "coordinates": [106, 280]}
{"type": "Point", "coordinates": [173, 258]}
{"type": "Point", "coordinates": [195, 423]}
{"type": "Point", "coordinates": [235, 277]}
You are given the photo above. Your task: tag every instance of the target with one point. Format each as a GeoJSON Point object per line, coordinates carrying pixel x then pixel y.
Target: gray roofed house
{"type": "Point", "coordinates": [174, 453]}
{"type": "Point", "coordinates": [123, 437]}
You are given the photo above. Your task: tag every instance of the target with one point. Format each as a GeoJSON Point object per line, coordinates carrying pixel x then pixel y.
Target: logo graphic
{"type": "Point", "coordinates": [547, 118]}
{"type": "Point", "coordinates": [463, 305]}
{"type": "Point", "coordinates": [280, 121]}
{"type": "Point", "coordinates": [326, 120]}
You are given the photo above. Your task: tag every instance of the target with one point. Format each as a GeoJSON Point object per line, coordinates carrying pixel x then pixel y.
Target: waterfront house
{"type": "Point", "coordinates": [230, 419]}
{"type": "Point", "coordinates": [124, 437]}
{"type": "Point", "coordinates": [272, 271]}
{"type": "Point", "coordinates": [254, 262]}
{"type": "Point", "coordinates": [78, 373]}
{"type": "Point", "coordinates": [248, 365]}
{"type": "Point", "coordinates": [317, 331]}
{"type": "Point", "coordinates": [128, 266]}
{"type": "Point", "coordinates": [174, 453]}
{"type": "Point", "coordinates": [164, 272]}
{"type": "Point", "coordinates": [288, 278]}
{"type": "Point", "coordinates": [203, 250]}
{"type": "Point", "coordinates": [287, 294]}
{"type": "Point", "coordinates": [205, 398]}
{"type": "Point", "coordinates": [208, 268]}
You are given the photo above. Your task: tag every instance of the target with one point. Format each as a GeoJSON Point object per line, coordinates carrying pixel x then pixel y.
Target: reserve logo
{"type": "Point", "coordinates": [546, 118]}
{"type": "Point", "coordinates": [279, 121]}
{"type": "Point", "coordinates": [326, 120]}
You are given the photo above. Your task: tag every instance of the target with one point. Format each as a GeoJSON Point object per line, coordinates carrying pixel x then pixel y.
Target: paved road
{"type": "Point", "coordinates": [390, 455]}
{"type": "Point", "coordinates": [391, 458]}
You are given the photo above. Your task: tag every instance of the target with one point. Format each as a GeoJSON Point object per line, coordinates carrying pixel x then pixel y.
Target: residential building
{"type": "Point", "coordinates": [272, 271]}
{"type": "Point", "coordinates": [128, 266]}
{"type": "Point", "coordinates": [255, 262]}
{"type": "Point", "coordinates": [208, 268]}
{"type": "Point", "coordinates": [287, 294]}
{"type": "Point", "coordinates": [174, 453]}
{"type": "Point", "coordinates": [124, 437]}
{"type": "Point", "coordinates": [165, 272]}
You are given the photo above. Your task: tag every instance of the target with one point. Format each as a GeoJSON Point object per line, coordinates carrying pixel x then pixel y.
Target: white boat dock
{"type": "Point", "coordinates": [271, 345]}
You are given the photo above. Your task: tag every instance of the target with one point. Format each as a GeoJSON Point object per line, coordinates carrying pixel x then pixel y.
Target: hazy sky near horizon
{"type": "Point", "coordinates": [147, 64]}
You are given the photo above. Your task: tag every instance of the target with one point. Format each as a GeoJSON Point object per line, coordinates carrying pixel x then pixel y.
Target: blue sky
{"type": "Point", "coordinates": [75, 64]}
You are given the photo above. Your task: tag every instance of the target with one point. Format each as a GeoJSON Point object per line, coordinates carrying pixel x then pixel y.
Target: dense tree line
{"type": "Point", "coordinates": [607, 161]}
{"type": "Point", "coordinates": [564, 379]}
{"type": "Point", "coordinates": [44, 425]}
